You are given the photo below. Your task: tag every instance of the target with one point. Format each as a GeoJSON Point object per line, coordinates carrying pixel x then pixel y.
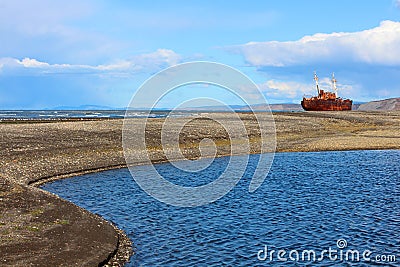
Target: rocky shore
{"type": "Point", "coordinates": [38, 228]}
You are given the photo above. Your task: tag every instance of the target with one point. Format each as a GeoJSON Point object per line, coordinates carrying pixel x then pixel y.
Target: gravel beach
{"type": "Point", "coordinates": [38, 228]}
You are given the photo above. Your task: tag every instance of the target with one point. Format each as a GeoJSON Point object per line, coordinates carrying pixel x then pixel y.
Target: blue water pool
{"type": "Point", "coordinates": [310, 202]}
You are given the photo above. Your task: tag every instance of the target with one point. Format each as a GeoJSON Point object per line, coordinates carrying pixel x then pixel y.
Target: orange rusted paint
{"type": "Point", "coordinates": [326, 101]}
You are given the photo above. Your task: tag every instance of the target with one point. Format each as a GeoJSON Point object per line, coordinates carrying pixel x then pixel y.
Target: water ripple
{"type": "Point", "coordinates": [308, 202]}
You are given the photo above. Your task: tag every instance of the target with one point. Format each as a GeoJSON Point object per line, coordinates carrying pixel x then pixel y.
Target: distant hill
{"type": "Point", "coordinates": [273, 107]}
{"type": "Point", "coordinates": [286, 107]}
{"type": "Point", "coordinates": [276, 107]}
{"type": "Point", "coordinates": [356, 106]}
{"type": "Point", "coordinates": [383, 105]}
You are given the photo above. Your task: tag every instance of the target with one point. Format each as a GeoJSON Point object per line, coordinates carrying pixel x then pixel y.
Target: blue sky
{"type": "Point", "coordinates": [71, 53]}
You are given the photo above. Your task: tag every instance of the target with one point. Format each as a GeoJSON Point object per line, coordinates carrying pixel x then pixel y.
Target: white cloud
{"type": "Point", "coordinates": [33, 63]}
{"type": "Point", "coordinates": [144, 62]}
{"type": "Point", "coordinates": [160, 57]}
{"type": "Point", "coordinates": [286, 89]}
{"type": "Point", "coordinates": [378, 45]}
{"type": "Point", "coordinates": [121, 65]}
{"type": "Point", "coordinates": [295, 90]}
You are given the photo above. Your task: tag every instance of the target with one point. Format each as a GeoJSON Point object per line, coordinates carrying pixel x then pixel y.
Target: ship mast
{"type": "Point", "coordinates": [316, 81]}
{"type": "Point", "coordinates": [334, 84]}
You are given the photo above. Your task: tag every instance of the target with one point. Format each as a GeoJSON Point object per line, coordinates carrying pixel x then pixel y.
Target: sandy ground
{"type": "Point", "coordinates": [36, 223]}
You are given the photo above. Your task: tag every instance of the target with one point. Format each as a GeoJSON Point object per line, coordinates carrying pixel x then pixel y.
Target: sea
{"type": "Point", "coordinates": [86, 114]}
{"type": "Point", "coordinates": [10, 115]}
{"type": "Point", "coordinates": [314, 209]}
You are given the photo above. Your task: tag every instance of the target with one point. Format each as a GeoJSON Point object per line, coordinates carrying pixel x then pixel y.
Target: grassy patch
{"type": "Point", "coordinates": [32, 228]}
{"type": "Point", "coordinates": [37, 212]}
{"type": "Point", "coordinates": [62, 222]}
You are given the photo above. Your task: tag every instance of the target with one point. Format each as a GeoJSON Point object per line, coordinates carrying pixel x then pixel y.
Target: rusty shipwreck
{"type": "Point", "coordinates": [326, 101]}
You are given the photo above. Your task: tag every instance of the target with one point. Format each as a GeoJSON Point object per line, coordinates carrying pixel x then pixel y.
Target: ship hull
{"type": "Point", "coordinates": [313, 104]}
